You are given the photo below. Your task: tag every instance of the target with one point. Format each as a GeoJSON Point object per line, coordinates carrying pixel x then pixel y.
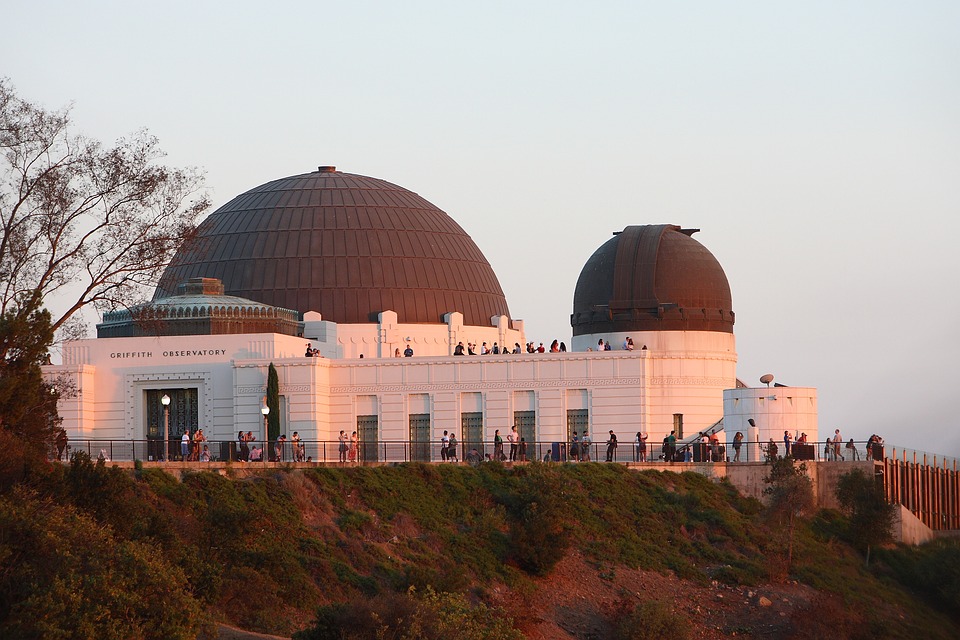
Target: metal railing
{"type": "Point", "coordinates": [329, 451]}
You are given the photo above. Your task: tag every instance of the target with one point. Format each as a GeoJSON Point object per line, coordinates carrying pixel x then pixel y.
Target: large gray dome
{"type": "Point", "coordinates": [345, 245]}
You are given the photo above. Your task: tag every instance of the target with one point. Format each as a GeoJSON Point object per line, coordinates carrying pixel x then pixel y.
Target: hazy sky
{"type": "Point", "coordinates": [816, 144]}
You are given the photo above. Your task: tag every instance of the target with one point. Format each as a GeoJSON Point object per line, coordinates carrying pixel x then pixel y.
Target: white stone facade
{"type": "Point", "coordinates": [680, 373]}
{"type": "Point", "coordinates": [773, 411]}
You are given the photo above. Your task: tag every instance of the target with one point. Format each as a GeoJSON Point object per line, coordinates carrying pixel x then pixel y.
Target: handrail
{"type": "Point", "coordinates": [326, 451]}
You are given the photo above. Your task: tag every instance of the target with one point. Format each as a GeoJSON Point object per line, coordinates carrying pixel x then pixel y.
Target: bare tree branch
{"type": "Point", "coordinates": [96, 225]}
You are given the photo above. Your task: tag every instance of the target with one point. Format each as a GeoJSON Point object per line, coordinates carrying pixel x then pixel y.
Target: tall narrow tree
{"type": "Point", "coordinates": [273, 401]}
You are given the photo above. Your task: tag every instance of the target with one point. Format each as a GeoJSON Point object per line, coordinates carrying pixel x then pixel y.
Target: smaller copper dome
{"type": "Point", "coordinates": [652, 278]}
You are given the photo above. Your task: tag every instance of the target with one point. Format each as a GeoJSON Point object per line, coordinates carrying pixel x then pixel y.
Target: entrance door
{"type": "Point", "coordinates": [183, 414]}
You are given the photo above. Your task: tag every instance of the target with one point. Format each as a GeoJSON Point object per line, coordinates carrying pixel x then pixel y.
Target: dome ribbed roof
{"type": "Point", "coordinates": [198, 308]}
{"type": "Point", "coordinates": [652, 278]}
{"type": "Point", "coordinates": [345, 245]}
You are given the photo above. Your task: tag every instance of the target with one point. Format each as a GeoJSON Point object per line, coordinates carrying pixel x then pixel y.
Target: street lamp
{"type": "Point", "coordinates": [265, 411]}
{"type": "Point", "coordinates": [165, 401]}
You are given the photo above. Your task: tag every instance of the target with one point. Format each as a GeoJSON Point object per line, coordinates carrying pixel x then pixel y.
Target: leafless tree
{"type": "Point", "coordinates": [90, 224]}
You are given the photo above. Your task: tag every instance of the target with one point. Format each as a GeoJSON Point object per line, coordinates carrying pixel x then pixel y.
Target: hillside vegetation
{"type": "Point", "coordinates": [89, 551]}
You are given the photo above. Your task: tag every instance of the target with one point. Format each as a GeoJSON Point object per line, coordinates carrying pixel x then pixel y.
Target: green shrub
{"type": "Point", "coordinates": [650, 620]}
{"type": "Point", "coordinates": [933, 570]}
{"type": "Point", "coordinates": [75, 579]}
{"type": "Point", "coordinates": [414, 615]}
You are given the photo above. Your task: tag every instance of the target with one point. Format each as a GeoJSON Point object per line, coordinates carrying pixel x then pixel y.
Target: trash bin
{"type": "Point", "coordinates": [803, 452]}
{"type": "Point", "coordinates": [558, 452]}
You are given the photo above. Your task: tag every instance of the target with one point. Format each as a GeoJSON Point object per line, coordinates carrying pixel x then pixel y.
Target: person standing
{"type": "Point", "coordinates": [852, 448]}
{"type": "Point", "coordinates": [444, 446]}
{"type": "Point", "coordinates": [185, 446]}
{"type": "Point", "coordinates": [297, 447]}
{"type": "Point", "coordinates": [641, 447]}
{"type": "Point", "coordinates": [787, 439]}
{"type": "Point", "coordinates": [244, 448]}
{"type": "Point", "coordinates": [585, 443]}
{"type": "Point", "coordinates": [452, 451]}
{"type": "Point", "coordinates": [575, 447]}
{"type": "Point", "coordinates": [837, 441]}
{"type": "Point", "coordinates": [498, 446]}
{"type": "Point", "coordinates": [514, 439]}
{"type": "Point", "coordinates": [671, 445]}
{"type": "Point", "coordinates": [523, 450]}
{"type": "Point", "coordinates": [737, 443]}
{"type": "Point", "coordinates": [715, 447]}
{"type": "Point", "coordinates": [61, 442]}
{"type": "Point", "coordinates": [611, 446]}
{"type": "Point", "coordinates": [354, 447]}
{"type": "Point", "coordinates": [343, 446]}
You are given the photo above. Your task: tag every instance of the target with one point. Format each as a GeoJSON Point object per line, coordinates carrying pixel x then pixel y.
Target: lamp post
{"type": "Point", "coordinates": [165, 401]}
{"type": "Point", "coordinates": [266, 412]}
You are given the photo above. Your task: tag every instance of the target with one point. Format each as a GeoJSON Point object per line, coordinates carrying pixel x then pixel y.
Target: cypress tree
{"type": "Point", "coordinates": [273, 401]}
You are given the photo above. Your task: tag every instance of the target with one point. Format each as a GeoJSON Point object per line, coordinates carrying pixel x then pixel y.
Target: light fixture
{"type": "Point", "coordinates": [265, 410]}
{"type": "Point", "coordinates": [165, 401]}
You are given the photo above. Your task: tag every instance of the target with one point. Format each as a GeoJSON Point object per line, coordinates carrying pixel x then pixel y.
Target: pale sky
{"type": "Point", "coordinates": [816, 144]}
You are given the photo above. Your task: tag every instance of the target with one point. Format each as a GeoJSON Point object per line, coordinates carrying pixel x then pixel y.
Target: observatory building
{"type": "Point", "coordinates": [360, 271]}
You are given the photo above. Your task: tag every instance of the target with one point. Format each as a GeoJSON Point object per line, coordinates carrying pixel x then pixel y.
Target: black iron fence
{"type": "Point", "coordinates": [332, 451]}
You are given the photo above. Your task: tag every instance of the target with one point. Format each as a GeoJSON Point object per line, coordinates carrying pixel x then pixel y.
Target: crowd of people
{"type": "Point", "coordinates": [707, 447]}
{"type": "Point", "coordinates": [485, 348]}
{"type": "Point", "coordinates": [471, 349]}
{"type": "Point", "coordinates": [248, 450]}
{"type": "Point", "coordinates": [194, 449]}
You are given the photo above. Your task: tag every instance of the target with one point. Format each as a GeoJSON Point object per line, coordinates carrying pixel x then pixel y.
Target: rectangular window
{"type": "Point", "coordinates": [368, 434]}
{"type": "Point", "coordinates": [577, 420]}
{"type": "Point", "coordinates": [420, 437]}
{"type": "Point", "coordinates": [471, 428]}
{"type": "Point", "coordinates": [526, 422]}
